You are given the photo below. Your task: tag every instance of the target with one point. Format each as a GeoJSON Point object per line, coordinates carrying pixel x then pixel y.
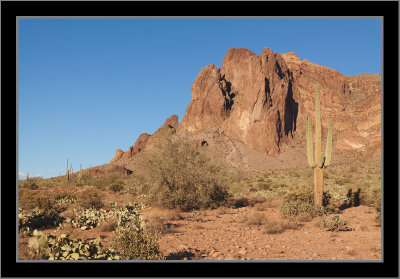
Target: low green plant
{"type": "Point", "coordinates": [88, 218]}
{"type": "Point", "coordinates": [91, 198]}
{"type": "Point", "coordinates": [117, 187]}
{"type": "Point", "coordinates": [334, 223]}
{"type": "Point", "coordinates": [69, 248]}
{"type": "Point", "coordinates": [36, 219]}
{"type": "Point", "coordinates": [178, 174]}
{"type": "Point", "coordinates": [64, 198]}
{"type": "Point", "coordinates": [135, 242]}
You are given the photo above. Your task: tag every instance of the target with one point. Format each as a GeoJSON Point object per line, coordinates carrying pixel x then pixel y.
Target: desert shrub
{"type": "Point", "coordinates": [91, 198]}
{"type": "Point", "coordinates": [101, 182]}
{"type": "Point", "coordinates": [334, 223]}
{"type": "Point", "coordinates": [302, 194]}
{"type": "Point", "coordinates": [30, 185]}
{"type": "Point", "coordinates": [301, 200]}
{"type": "Point", "coordinates": [69, 248]}
{"type": "Point", "coordinates": [241, 202]}
{"type": "Point", "coordinates": [108, 225]}
{"type": "Point", "coordinates": [135, 242]}
{"type": "Point", "coordinates": [267, 224]}
{"type": "Point", "coordinates": [178, 174]}
{"type": "Point", "coordinates": [304, 217]}
{"type": "Point", "coordinates": [36, 219]}
{"type": "Point", "coordinates": [117, 187]}
{"type": "Point", "coordinates": [30, 199]}
{"type": "Point", "coordinates": [90, 218]}
{"type": "Point", "coordinates": [64, 198]}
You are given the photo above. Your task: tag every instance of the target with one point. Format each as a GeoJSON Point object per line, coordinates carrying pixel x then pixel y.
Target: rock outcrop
{"type": "Point", "coordinates": [261, 103]}
{"type": "Point", "coordinates": [145, 139]}
{"type": "Point", "coordinates": [264, 100]}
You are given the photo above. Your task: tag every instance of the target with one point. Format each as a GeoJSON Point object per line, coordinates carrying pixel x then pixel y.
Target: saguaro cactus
{"type": "Point", "coordinates": [320, 160]}
{"type": "Point", "coordinates": [80, 173]}
{"type": "Point", "coordinates": [67, 175]}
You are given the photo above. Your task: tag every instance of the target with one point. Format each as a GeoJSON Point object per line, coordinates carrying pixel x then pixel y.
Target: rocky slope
{"type": "Point", "coordinates": [256, 105]}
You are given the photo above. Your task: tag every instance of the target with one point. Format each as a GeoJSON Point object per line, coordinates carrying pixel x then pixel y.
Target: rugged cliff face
{"type": "Point", "coordinates": [251, 97]}
{"type": "Point", "coordinates": [261, 102]}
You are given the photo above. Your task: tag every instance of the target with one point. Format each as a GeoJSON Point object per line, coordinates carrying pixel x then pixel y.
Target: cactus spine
{"type": "Point", "coordinates": [320, 160]}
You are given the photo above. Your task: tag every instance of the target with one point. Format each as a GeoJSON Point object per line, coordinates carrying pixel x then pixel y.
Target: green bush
{"type": "Point", "coordinates": [117, 187]}
{"type": "Point", "coordinates": [134, 242]}
{"type": "Point", "coordinates": [64, 198]}
{"type": "Point", "coordinates": [31, 185]}
{"type": "Point", "coordinates": [89, 218]}
{"type": "Point", "coordinates": [178, 174]}
{"type": "Point", "coordinates": [101, 182]}
{"type": "Point", "coordinates": [69, 248]}
{"type": "Point", "coordinates": [91, 199]}
{"type": "Point", "coordinates": [334, 223]}
{"type": "Point", "coordinates": [36, 219]}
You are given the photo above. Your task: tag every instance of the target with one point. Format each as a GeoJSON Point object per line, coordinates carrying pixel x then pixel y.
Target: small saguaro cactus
{"type": "Point", "coordinates": [80, 174]}
{"type": "Point", "coordinates": [321, 160]}
{"type": "Point", "coordinates": [67, 175]}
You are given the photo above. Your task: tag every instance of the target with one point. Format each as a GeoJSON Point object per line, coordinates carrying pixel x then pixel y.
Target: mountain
{"type": "Point", "coordinates": [253, 109]}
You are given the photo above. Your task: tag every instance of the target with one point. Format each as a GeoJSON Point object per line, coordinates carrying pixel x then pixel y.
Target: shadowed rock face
{"type": "Point", "coordinates": [211, 101]}
{"type": "Point", "coordinates": [264, 100]}
{"type": "Point", "coordinates": [251, 97]}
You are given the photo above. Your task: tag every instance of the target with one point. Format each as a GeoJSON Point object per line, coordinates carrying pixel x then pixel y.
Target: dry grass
{"type": "Point", "coordinates": [267, 224]}
{"type": "Point", "coordinates": [159, 219]}
{"type": "Point", "coordinates": [108, 225]}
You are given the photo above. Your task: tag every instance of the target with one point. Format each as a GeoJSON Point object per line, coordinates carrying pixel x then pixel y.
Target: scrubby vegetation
{"type": "Point", "coordinates": [135, 242]}
{"type": "Point", "coordinates": [176, 181]}
{"type": "Point", "coordinates": [177, 174]}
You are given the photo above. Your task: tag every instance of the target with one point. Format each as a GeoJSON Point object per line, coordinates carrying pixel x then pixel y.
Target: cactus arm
{"type": "Point", "coordinates": [328, 148]}
{"type": "Point", "coordinates": [309, 139]}
{"type": "Point", "coordinates": [318, 147]}
{"type": "Point", "coordinates": [321, 160]}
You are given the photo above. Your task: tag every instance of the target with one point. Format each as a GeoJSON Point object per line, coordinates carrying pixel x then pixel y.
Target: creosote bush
{"type": "Point", "coordinates": [29, 199]}
{"type": "Point", "coordinates": [91, 198]}
{"type": "Point", "coordinates": [301, 201]}
{"type": "Point", "coordinates": [179, 174]}
{"type": "Point", "coordinates": [135, 242]}
{"type": "Point", "coordinates": [117, 187]}
{"type": "Point", "coordinates": [334, 223]}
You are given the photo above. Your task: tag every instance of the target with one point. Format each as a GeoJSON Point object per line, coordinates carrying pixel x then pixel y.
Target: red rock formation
{"type": "Point", "coordinates": [146, 139]}
{"type": "Point", "coordinates": [263, 100]}
{"type": "Point", "coordinates": [210, 103]}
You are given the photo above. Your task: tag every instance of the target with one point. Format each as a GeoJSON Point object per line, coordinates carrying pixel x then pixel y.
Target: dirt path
{"type": "Point", "coordinates": [223, 235]}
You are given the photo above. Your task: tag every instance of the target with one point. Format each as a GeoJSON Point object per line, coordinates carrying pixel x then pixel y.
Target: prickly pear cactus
{"type": "Point", "coordinates": [36, 219]}
{"type": "Point", "coordinates": [69, 248]}
{"type": "Point", "coordinates": [90, 218]}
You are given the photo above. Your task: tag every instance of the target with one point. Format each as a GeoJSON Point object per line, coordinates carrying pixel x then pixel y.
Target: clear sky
{"type": "Point", "coordinates": [90, 86]}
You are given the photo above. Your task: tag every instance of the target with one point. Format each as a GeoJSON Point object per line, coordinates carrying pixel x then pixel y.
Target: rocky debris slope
{"type": "Point", "coordinates": [257, 105]}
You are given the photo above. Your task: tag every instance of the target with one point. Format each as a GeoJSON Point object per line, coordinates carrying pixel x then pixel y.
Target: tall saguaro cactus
{"type": "Point", "coordinates": [320, 160]}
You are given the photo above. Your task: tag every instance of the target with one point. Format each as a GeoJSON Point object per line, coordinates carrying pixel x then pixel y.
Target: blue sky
{"type": "Point", "coordinates": [90, 86]}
